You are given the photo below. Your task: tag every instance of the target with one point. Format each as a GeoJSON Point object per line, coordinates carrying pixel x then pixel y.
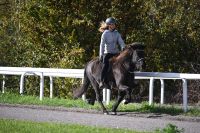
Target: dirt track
{"type": "Point", "coordinates": [133, 121]}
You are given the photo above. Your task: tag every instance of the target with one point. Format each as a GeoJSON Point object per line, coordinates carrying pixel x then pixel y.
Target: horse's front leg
{"type": "Point", "coordinates": [98, 96]}
{"type": "Point", "coordinates": [99, 99]}
{"type": "Point", "coordinates": [121, 94]}
{"type": "Point", "coordinates": [128, 93]}
{"type": "Point", "coordinates": [128, 96]}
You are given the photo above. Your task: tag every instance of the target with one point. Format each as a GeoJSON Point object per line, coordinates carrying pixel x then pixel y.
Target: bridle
{"type": "Point", "coordinates": [140, 59]}
{"type": "Point", "coordinates": [137, 61]}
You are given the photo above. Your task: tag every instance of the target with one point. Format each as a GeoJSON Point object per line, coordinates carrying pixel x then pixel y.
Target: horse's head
{"type": "Point", "coordinates": [137, 49]}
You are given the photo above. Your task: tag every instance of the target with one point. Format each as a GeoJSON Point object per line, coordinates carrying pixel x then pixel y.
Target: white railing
{"type": "Point", "coordinates": [78, 73]}
{"type": "Point", "coordinates": [42, 72]}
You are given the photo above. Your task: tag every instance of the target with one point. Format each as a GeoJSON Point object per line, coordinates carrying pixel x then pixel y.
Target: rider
{"type": "Point", "coordinates": [110, 40]}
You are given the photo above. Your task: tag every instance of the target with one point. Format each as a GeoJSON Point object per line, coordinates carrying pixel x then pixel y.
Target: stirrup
{"type": "Point", "coordinates": [101, 85]}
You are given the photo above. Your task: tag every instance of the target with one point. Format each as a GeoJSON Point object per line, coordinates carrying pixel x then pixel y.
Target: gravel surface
{"type": "Point", "coordinates": [128, 120]}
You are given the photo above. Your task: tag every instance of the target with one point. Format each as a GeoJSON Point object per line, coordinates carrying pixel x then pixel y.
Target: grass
{"type": "Point", "coordinates": [28, 126]}
{"type": "Point", "coordinates": [170, 128]}
{"type": "Point", "coordinates": [12, 98]}
{"type": "Point", "coordinates": [19, 126]}
{"type": "Point", "coordinates": [69, 103]}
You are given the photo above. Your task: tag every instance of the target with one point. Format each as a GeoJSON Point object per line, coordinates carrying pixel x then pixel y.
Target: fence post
{"type": "Point", "coordinates": [108, 96]}
{"type": "Point", "coordinates": [185, 102]}
{"type": "Point", "coordinates": [104, 95]}
{"type": "Point", "coordinates": [51, 86]}
{"type": "Point", "coordinates": [3, 84]}
{"type": "Point", "coordinates": [83, 96]}
{"type": "Point", "coordinates": [22, 83]}
{"type": "Point", "coordinates": [162, 86]}
{"type": "Point", "coordinates": [41, 85]}
{"type": "Point", "coordinates": [151, 91]}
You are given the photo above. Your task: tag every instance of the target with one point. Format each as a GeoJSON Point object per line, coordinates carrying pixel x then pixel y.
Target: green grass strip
{"type": "Point", "coordinates": [69, 103]}
{"type": "Point", "coordinates": [19, 126]}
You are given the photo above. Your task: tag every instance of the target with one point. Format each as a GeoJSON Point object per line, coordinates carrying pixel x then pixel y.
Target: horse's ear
{"type": "Point", "coordinates": [138, 45]}
{"type": "Point", "coordinates": [143, 46]}
{"type": "Point", "coordinates": [128, 46]}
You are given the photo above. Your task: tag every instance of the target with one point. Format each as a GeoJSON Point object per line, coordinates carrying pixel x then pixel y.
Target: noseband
{"type": "Point", "coordinates": [141, 59]}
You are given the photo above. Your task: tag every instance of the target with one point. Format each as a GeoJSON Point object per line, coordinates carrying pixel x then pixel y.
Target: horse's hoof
{"type": "Point", "coordinates": [113, 113]}
{"type": "Point", "coordinates": [105, 113]}
{"type": "Point", "coordinates": [89, 101]}
{"type": "Point", "coordinates": [126, 102]}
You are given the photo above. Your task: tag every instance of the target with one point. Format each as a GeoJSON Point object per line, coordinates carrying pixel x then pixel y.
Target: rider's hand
{"type": "Point", "coordinates": [123, 48]}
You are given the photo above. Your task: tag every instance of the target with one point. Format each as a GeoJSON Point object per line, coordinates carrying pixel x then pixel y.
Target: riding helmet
{"type": "Point", "coordinates": [110, 20]}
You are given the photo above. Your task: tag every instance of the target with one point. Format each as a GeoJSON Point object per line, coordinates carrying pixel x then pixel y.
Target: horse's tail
{"type": "Point", "coordinates": [86, 82]}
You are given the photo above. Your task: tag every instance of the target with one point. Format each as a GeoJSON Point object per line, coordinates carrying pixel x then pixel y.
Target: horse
{"type": "Point", "coordinates": [120, 75]}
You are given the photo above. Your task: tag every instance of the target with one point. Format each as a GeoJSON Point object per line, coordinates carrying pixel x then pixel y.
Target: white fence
{"type": "Point", "coordinates": [78, 73]}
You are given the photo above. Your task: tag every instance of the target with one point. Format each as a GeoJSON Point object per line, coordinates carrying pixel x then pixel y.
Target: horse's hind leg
{"type": "Point", "coordinates": [128, 91]}
{"type": "Point", "coordinates": [121, 94]}
{"type": "Point", "coordinates": [98, 96]}
{"type": "Point", "coordinates": [128, 96]}
{"type": "Point", "coordinates": [92, 99]}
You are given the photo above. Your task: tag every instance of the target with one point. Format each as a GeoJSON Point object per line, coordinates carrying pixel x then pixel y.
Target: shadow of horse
{"type": "Point", "coordinates": [120, 75]}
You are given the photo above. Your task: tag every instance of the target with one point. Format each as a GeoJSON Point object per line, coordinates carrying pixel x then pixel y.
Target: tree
{"type": "Point", "coordinates": [64, 33]}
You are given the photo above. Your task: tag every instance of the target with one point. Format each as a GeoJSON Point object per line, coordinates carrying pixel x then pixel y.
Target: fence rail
{"type": "Point", "coordinates": [78, 73]}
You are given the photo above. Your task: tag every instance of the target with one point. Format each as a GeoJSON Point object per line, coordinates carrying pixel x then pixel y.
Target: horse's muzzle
{"type": "Point", "coordinates": [140, 65]}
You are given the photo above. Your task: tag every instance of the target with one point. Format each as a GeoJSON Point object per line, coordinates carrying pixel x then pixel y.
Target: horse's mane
{"type": "Point", "coordinates": [137, 45]}
{"type": "Point", "coordinates": [124, 54]}
{"type": "Point", "coordinates": [129, 49]}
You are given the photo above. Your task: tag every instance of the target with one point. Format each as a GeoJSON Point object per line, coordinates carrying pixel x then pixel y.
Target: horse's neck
{"type": "Point", "coordinates": [123, 57]}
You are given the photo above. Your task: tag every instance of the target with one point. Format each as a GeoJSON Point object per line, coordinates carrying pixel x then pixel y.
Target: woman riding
{"type": "Point", "coordinates": [110, 40]}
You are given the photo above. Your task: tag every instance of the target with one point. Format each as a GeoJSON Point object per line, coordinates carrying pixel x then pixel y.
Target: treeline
{"type": "Point", "coordinates": [64, 34]}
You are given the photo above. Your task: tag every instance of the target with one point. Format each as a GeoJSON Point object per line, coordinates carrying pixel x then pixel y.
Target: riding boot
{"type": "Point", "coordinates": [102, 83]}
{"type": "Point", "coordinates": [104, 71]}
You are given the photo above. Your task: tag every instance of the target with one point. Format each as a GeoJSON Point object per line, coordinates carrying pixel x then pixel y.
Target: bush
{"type": "Point", "coordinates": [63, 34]}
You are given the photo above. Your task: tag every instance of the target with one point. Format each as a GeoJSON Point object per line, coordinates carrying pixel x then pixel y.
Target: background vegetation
{"type": "Point", "coordinates": [64, 34]}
